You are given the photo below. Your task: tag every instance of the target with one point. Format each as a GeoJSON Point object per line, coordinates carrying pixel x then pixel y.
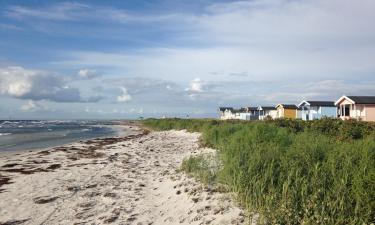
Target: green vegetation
{"type": "Point", "coordinates": [203, 167]}
{"type": "Point", "coordinates": [290, 171]}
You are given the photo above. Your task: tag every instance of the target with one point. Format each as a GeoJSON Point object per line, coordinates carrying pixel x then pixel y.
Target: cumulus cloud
{"type": "Point", "coordinates": [32, 106]}
{"type": "Point", "coordinates": [87, 74]}
{"type": "Point", "coordinates": [18, 82]}
{"type": "Point", "coordinates": [124, 97]}
{"type": "Point", "coordinates": [196, 85]}
{"type": "Point", "coordinates": [35, 85]}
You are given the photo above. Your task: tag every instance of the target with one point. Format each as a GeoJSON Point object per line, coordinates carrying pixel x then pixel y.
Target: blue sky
{"type": "Point", "coordinates": [125, 59]}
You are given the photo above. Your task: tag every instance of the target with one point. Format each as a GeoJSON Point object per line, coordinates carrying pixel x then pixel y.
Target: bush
{"type": "Point", "coordinates": [203, 167]}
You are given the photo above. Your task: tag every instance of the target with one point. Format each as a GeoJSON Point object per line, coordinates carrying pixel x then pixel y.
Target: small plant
{"type": "Point", "coordinates": [204, 167]}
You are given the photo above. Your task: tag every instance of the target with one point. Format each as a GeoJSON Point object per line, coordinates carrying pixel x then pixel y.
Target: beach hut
{"type": "Point", "coordinates": [246, 113]}
{"type": "Point", "coordinates": [226, 113]}
{"type": "Point", "coordinates": [249, 113]}
{"type": "Point", "coordinates": [287, 111]}
{"type": "Point", "coordinates": [267, 112]}
{"type": "Point", "coordinates": [356, 107]}
{"type": "Point", "coordinates": [254, 113]}
{"type": "Point", "coordinates": [242, 114]}
{"type": "Point", "coordinates": [311, 110]}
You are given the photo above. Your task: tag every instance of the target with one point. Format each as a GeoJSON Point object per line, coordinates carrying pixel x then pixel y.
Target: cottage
{"type": "Point", "coordinates": [356, 107]}
{"type": "Point", "coordinates": [226, 113]}
{"type": "Point", "coordinates": [267, 112]}
{"type": "Point", "coordinates": [240, 114]}
{"type": "Point", "coordinates": [249, 113]}
{"type": "Point", "coordinates": [311, 110]}
{"type": "Point", "coordinates": [254, 113]}
{"type": "Point", "coordinates": [246, 113]}
{"type": "Point", "coordinates": [287, 111]}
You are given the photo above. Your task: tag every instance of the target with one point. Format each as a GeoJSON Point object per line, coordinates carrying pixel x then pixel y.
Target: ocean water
{"type": "Point", "coordinates": [18, 135]}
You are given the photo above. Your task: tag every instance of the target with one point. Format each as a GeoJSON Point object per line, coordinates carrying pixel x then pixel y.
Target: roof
{"type": "Point", "coordinates": [357, 99]}
{"type": "Point", "coordinates": [266, 108]}
{"type": "Point", "coordinates": [238, 110]}
{"type": "Point", "coordinates": [319, 103]}
{"type": "Point", "coordinates": [363, 99]}
{"type": "Point", "coordinates": [225, 108]}
{"type": "Point", "coordinates": [252, 108]}
{"type": "Point", "coordinates": [288, 106]}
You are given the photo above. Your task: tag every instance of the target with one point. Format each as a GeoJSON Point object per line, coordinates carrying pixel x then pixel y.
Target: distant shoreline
{"type": "Point", "coordinates": [117, 129]}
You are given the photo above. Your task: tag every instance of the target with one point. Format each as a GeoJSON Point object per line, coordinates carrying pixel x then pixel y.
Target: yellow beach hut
{"type": "Point", "coordinates": [287, 111]}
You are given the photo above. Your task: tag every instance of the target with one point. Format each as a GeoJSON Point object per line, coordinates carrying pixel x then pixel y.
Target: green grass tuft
{"type": "Point", "coordinates": [204, 167]}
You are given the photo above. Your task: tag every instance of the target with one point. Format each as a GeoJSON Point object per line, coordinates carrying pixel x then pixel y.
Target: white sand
{"type": "Point", "coordinates": [121, 182]}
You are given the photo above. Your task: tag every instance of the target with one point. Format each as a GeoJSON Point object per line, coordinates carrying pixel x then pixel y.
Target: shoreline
{"type": "Point", "coordinates": [119, 180]}
{"type": "Point", "coordinates": [119, 129]}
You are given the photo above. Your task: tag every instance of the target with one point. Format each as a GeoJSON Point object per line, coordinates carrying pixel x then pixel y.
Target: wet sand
{"type": "Point", "coordinates": [120, 180]}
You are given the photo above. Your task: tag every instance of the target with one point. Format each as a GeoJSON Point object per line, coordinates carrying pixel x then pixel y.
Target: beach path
{"type": "Point", "coordinates": [127, 180]}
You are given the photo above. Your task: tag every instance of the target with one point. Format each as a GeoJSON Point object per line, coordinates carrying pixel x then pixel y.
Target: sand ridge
{"type": "Point", "coordinates": [124, 180]}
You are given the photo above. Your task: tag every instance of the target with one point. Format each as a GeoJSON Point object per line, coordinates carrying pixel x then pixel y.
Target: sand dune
{"type": "Point", "coordinates": [124, 180]}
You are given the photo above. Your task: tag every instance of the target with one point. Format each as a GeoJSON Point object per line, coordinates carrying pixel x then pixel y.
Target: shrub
{"type": "Point", "coordinates": [203, 167]}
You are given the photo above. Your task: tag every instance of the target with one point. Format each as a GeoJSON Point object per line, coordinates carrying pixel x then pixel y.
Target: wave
{"type": "Point", "coordinates": [9, 122]}
{"type": "Point", "coordinates": [3, 134]}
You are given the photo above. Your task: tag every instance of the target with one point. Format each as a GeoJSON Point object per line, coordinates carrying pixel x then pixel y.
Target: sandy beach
{"type": "Point", "coordinates": [121, 180]}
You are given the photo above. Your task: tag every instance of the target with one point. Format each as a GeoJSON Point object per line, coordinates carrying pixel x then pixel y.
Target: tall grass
{"type": "Point", "coordinates": [293, 172]}
{"type": "Point", "coordinates": [203, 166]}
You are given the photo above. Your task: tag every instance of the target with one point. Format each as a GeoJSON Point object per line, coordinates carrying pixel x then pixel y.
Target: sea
{"type": "Point", "coordinates": [17, 135]}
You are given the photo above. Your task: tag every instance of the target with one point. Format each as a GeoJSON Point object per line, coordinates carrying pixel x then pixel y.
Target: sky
{"type": "Point", "coordinates": [127, 59]}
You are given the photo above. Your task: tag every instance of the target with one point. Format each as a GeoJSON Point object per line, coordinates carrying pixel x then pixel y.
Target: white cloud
{"type": "Point", "coordinates": [29, 106]}
{"type": "Point", "coordinates": [15, 81]}
{"type": "Point", "coordinates": [62, 11]}
{"type": "Point", "coordinates": [18, 89]}
{"type": "Point", "coordinates": [73, 11]}
{"type": "Point", "coordinates": [32, 106]}
{"type": "Point", "coordinates": [35, 85]}
{"type": "Point", "coordinates": [125, 97]}
{"type": "Point", "coordinates": [140, 85]}
{"type": "Point", "coordinates": [87, 73]}
{"type": "Point", "coordinates": [18, 82]}
{"type": "Point", "coordinates": [196, 85]}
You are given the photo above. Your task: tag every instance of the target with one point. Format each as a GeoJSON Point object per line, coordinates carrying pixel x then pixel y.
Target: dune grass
{"type": "Point", "coordinates": [204, 167]}
{"type": "Point", "coordinates": [290, 171]}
